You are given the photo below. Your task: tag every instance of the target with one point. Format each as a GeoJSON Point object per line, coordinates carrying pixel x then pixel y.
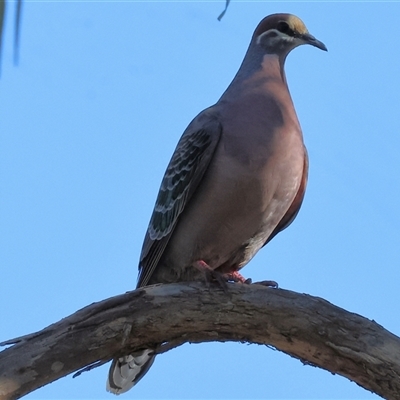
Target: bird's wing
{"type": "Point", "coordinates": [185, 171]}
{"type": "Point", "coordinates": [294, 208]}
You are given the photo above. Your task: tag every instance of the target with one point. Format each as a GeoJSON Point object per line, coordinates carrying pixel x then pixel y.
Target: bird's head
{"type": "Point", "coordinates": [281, 33]}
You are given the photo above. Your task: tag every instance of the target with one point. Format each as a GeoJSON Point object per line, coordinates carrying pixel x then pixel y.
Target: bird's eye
{"type": "Point", "coordinates": [283, 27]}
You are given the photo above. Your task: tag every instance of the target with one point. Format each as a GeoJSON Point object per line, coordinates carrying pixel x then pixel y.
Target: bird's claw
{"type": "Point", "coordinates": [271, 284]}
{"type": "Point", "coordinates": [236, 277]}
{"type": "Point", "coordinates": [222, 278]}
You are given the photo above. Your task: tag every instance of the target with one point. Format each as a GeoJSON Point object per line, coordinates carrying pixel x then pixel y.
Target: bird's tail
{"type": "Point", "coordinates": [125, 372]}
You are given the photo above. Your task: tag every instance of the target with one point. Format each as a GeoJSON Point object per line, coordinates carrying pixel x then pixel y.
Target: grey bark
{"type": "Point", "coordinates": [305, 327]}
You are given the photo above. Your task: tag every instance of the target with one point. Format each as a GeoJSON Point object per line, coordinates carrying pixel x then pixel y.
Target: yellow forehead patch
{"type": "Point", "coordinates": [297, 24]}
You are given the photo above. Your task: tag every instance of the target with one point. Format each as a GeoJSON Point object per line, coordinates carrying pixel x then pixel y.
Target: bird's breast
{"type": "Point", "coordinates": [247, 189]}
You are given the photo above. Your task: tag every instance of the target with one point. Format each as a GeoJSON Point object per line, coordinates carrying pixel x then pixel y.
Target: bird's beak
{"type": "Point", "coordinates": [310, 39]}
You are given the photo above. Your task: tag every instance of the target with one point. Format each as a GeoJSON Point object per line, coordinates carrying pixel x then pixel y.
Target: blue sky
{"type": "Point", "coordinates": [88, 123]}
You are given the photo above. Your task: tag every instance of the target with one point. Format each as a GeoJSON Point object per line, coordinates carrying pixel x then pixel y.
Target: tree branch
{"type": "Point", "coordinates": [308, 328]}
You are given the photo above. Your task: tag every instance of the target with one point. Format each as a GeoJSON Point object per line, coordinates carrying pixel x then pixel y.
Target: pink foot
{"type": "Point", "coordinates": [236, 277]}
{"type": "Point", "coordinates": [210, 274]}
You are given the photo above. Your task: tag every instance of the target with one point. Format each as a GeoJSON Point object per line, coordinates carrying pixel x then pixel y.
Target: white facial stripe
{"type": "Point", "coordinates": [277, 37]}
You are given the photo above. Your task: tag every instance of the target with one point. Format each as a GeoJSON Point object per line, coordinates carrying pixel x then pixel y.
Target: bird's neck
{"type": "Point", "coordinates": [258, 71]}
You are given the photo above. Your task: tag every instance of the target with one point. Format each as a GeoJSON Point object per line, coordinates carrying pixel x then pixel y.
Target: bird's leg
{"type": "Point", "coordinates": [210, 274]}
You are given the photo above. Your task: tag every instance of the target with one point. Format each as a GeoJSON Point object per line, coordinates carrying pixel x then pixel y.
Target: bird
{"type": "Point", "coordinates": [235, 180]}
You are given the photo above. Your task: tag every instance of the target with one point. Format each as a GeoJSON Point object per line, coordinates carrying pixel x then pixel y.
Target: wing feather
{"type": "Point", "coordinates": [183, 175]}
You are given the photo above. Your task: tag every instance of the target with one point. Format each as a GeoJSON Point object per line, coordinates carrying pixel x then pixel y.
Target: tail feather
{"type": "Point", "coordinates": [125, 372]}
